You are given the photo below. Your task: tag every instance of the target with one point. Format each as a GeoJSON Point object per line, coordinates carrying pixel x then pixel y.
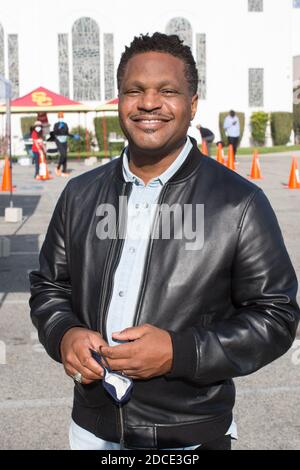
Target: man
{"type": "Point", "coordinates": [61, 134]}
{"type": "Point", "coordinates": [206, 135]}
{"type": "Point", "coordinates": [232, 130]}
{"type": "Point", "coordinates": [180, 315]}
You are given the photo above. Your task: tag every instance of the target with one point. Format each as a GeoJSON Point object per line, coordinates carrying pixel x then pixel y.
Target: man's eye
{"type": "Point", "coordinates": [169, 92]}
{"type": "Point", "coordinates": [133, 92]}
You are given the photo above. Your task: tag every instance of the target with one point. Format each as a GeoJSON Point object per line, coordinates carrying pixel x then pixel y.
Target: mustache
{"type": "Point", "coordinates": [146, 114]}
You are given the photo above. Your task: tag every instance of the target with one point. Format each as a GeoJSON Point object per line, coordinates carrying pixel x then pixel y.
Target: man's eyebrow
{"type": "Point", "coordinates": [139, 84]}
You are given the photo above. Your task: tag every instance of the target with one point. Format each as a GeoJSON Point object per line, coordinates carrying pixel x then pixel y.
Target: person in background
{"type": "Point", "coordinates": [37, 144]}
{"type": "Point", "coordinates": [207, 135]}
{"type": "Point", "coordinates": [61, 134]}
{"type": "Point", "coordinates": [232, 130]}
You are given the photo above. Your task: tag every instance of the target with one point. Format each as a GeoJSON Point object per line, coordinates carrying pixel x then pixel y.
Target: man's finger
{"type": "Point", "coordinates": [97, 341]}
{"type": "Point", "coordinates": [87, 375]}
{"type": "Point", "coordinates": [88, 362]}
{"type": "Point", "coordinates": [120, 365]}
{"type": "Point", "coordinates": [131, 334]}
{"type": "Point", "coordinates": [122, 351]}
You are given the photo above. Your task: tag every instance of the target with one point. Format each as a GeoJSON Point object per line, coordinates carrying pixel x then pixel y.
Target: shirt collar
{"type": "Point", "coordinates": [165, 176]}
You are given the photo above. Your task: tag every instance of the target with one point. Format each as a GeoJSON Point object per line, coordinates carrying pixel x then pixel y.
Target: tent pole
{"type": "Point", "coordinates": [79, 116]}
{"type": "Point", "coordinates": [104, 136]}
{"type": "Point", "coordinates": [87, 144]}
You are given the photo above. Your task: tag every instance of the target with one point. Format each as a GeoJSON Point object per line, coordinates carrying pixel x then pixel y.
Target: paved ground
{"type": "Point", "coordinates": [36, 396]}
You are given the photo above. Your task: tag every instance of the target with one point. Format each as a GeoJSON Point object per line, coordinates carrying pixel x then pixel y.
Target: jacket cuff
{"type": "Point", "coordinates": [184, 355]}
{"type": "Point", "coordinates": [56, 335]}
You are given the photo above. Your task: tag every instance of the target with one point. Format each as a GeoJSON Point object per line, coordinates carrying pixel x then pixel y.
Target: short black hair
{"type": "Point", "coordinates": [159, 42]}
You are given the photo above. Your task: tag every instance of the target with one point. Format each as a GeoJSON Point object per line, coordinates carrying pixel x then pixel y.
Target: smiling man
{"type": "Point", "coordinates": [153, 332]}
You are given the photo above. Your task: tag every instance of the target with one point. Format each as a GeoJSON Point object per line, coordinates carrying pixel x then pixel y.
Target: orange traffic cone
{"type": "Point", "coordinates": [255, 168]}
{"type": "Point", "coordinates": [6, 178]}
{"type": "Point", "coordinates": [43, 167]}
{"type": "Point", "coordinates": [220, 154]}
{"type": "Point", "coordinates": [294, 182]}
{"type": "Point", "coordinates": [230, 159]}
{"type": "Point", "coordinates": [204, 148]}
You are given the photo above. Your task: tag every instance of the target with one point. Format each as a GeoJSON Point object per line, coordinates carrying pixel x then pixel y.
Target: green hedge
{"type": "Point", "coordinates": [296, 118]}
{"type": "Point", "coordinates": [281, 127]}
{"type": "Point", "coordinates": [222, 117]}
{"type": "Point", "coordinates": [80, 145]}
{"type": "Point", "coordinates": [26, 123]}
{"type": "Point", "coordinates": [112, 125]}
{"type": "Point", "coordinates": [259, 121]}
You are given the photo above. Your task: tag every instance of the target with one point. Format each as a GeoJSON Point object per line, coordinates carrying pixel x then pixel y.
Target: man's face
{"type": "Point", "coordinates": [155, 105]}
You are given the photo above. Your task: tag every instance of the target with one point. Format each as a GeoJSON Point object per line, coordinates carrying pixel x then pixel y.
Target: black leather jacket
{"type": "Point", "coordinates": [230, 307]}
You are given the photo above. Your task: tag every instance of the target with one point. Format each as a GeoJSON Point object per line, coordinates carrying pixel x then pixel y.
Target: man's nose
{"type": "Point", "coordinates": [149, 101]}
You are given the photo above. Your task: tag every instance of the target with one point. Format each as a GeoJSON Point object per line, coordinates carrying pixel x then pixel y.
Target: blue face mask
{"type": "Point", "coordinates": [118, 385]}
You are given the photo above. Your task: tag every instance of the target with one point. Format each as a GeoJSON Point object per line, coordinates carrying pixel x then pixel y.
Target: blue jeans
{"type": "Point", "coordinates": [36, 162]}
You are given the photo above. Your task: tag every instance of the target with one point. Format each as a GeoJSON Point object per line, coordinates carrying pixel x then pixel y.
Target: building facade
{"type": "Point", "coordinates": [243, 49]}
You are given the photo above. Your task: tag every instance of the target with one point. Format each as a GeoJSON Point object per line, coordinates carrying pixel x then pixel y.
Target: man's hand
{"type": "Point", "coordinates": [149, 352]}
{"type": "Point", "coordinates": [76, 356]}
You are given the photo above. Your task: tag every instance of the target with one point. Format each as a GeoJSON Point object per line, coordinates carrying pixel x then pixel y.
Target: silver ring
{"type": "Point", "coordinates": [78, 377]}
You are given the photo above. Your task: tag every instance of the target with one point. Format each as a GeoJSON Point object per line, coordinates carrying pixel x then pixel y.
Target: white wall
{"type": "Point", "coordinates": [236, 41]}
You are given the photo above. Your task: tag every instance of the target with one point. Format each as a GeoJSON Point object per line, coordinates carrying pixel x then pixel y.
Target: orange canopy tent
{"type": "Point", "coordinates": [43, 100]}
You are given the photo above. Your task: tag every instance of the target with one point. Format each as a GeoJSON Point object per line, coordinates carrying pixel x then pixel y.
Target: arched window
{"type": "Point", "coordinates": [201, 64]}
{"type": "Point", "coordinates": [256, 87]}
{"type": "Point", "coordinates": [86, 60]}
{"type": "Point", "coordinates": [182, 27]}
{"type": "Point", "coordinates": [13, 63]}
{"type": "Point", "coordinates": [255, 5]}
{"type": "Point", "coordinates": [109, 71]}
{"type": "Point", "coordinates": [2, 64]}
{"type": "Point", "coordinates": [63, 64]}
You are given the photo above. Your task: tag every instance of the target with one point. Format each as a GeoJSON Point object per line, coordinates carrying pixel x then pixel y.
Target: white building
{"type": "Point", "coordinates": [243, 48]}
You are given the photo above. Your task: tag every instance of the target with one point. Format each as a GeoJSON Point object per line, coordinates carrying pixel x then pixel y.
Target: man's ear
{"type": "Point", "coordinates": [194, 106]}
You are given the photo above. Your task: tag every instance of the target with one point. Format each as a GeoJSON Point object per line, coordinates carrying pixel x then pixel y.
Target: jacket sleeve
{"type": "Point", "coordinates": [50, 301]}
{"type": "Point", "coordinates": [264, 288]}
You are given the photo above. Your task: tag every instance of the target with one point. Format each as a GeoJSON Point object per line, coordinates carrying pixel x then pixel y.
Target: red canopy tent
{"type": "Point", "coordinates": [43, 100]}
{"type": "Point", "coordinates": [110, 105]}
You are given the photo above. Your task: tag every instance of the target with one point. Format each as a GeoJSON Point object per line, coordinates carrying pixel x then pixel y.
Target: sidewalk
{"type": "Point", "coordinates": [36, 395]}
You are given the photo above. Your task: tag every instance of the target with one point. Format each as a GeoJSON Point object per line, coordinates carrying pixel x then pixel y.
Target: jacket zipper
{"type": "Point", "coordinates": [141, 291]}
{"type": "Point", "coordinates": [121, 425]}
{"type": "Point", "coordinates": [110, 267]}
{"type": "Point", "coordinates": [147, 260]}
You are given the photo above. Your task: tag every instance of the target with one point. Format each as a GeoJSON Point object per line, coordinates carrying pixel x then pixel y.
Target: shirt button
{"type": "Point", "coordinates": [131, 249]}
{"type": "Point", "coordinates": [146, 205]}
{"type": "Point", "coordinates": [121, 293]}
{"type": "Point", "coordinates": [137, 206]}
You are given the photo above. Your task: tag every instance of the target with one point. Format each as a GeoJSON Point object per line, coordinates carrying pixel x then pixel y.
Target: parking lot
{"type": "Point", "coordinates": [35, 394]}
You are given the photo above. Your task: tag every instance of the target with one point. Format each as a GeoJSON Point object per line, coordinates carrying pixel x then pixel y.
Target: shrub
{"type": "Point", "coordinates": [281, 127]}
{"type": "Point", "coordinates": [296, 120]}
{"type": "Point", "coordinates": [222, 117]}
{"type": "Point", "coordinates": [112, 125]}
{"type": "Point", "coordinates": [259, 121]}
{"type": "Point", "coordinates": [26, 123]}
{"type": "Point", "coordinates": [80, 145]}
